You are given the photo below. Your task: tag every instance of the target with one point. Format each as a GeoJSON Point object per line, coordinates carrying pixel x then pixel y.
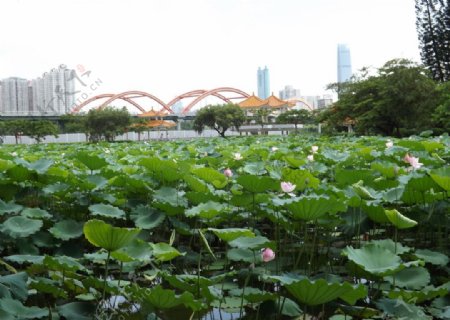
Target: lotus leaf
{"type": "Point", "coordinates": [147, 218]}
{"type": "Point", "coordinates": [442, 177]}
{"type": "Point", "coordinates": [432, 257]}
{"type": "Point", "coordinates": [16, 285]}
{"type": "Point", "coordinates": [375, 260]}
{"type": "Point", "coordinates": [77, 310]}
{"type": "Point", "coordinates": [16, 309]}
{"type": "Point", "coordinates": [254, 243]}
{"type": "Point", "coordinates": [106, 210]}
{"type": "Point", "coordinates": [212, 176]}
{"type": "Point", "coordinates": [206, 210]}
{"type": "Point", "coordinates": [245, 255]}
{"type": "Point", "coordinates": [312, 208]}
{"type": "Point", "coordinates": [93, 162]}
{"type": "Point", "coordinates": [35, 213]}
{"type": "Point", "coordinates": [231, 233]}
{"type": "Point", "coordinates": [9, 207]}
{"type": "Point", "coordinates": [391, 246]}
{"type": "Point", "coordinates": [67, 229]}
{"type": "Point", "coordinates": [164, 252]}
{"type": "Point", "coordinates": [20, 227]}
{"type": "Point", "coordinates": [398, 220]}
{"type": "Point", "coordinates": [257, 184]}
{"type": "Point", "coordinates": [103, 235]}
{"type": "Point", "coordinates": [400, 309]}
{"type": "Point", "coordinates": [413, 278]}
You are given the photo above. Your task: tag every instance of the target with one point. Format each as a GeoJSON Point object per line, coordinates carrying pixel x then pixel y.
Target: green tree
{"type": "Point", "coordinates": [441, 116]}
{"type": "Point", "coordinates": [39, 129]}
{"type": "Point", "coordinates": [296, 117]}
{"type": "Point", "coordinates": [433, 28]}
{"type": "Point", "coordinates": [219, 118]}
{"type": "Point", "coordinates": [107, 123]}
{"type": "Point", "coordinates": [398, 100]}
{"type": "Point", "coordinates": [73, 123]}
{"type": "Point", "coordinates": [16, 128]}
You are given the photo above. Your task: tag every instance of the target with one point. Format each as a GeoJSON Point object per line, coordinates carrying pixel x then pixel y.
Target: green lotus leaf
{"type": "Point", "coordinates": [387, 169]}
{"type": "Point", "coordinates": [206, 210]}
{"type": "Point", "coordinates": [62, 263]}
{"type": "Point", "coordinates": [393, 194]}
{"type": "Point", "coordinates": [47, 286]}
{"type": "Point", "coordinates": [318, 292]}
{"type": "Point", "coordinates": [362, 191]}
{"type": "Point", "coordinates": [257, 184]}
{"type": "Point", "coordinates": [93, 162]}
{"type": "Point", "coordinates": [312, 208]}
{"type": "Point", "coordinates": [25, 258]}
{"type": "Point", "coordinates": [301, 178]}
{"type": "Point", "coordinates": [16, 284]}
{"type": "Point", "coordinates": [67, 229]}
{"type": "Point", "coordinates": [35, 213]}
{"type": "Point", "coordinates": [96, 182]}
{"type": "Point", "coordinates": [246, 255]}
{"type": "Point", "coordinates": [77, 310]}
{"type": "Point", "coordinates": [390, 245]}
{"type": "Point", "coordinates": [40, 166]}
{"type": "Point", "coordinates": [147, 218]}
{"type": "Point", "coordinates": [20, 227]}
{"type": "Point", "coordinates": [401, 310]}
{"type": "Point", "coordinates": [375, 212]}
{"type": "Point", "coordinates": [418, 296]}
{"type": "Point", "coordinates": [255, 168]}
{"type": "Point", "coordinates": [187, 282]}
{"type": "Point", "coordinates": [9, 207]}
{"type": "Point", "coordinates": [432, 145]}
{"type": "Point", "coordinates": [432, 257]}
{"type": "Point", "coordinates": [20, 174]}
{"type": "Point", "coordinates": [105, 236]}
{"type": "Point", "coordinates": [335, 155]}
{"type": "Point", "coordinates": [136, 250]}
{"type": "Point", "coordinates": [195, 184]}
{"type": "Point", "coordinates": [253, 295]}
{"type": "Point", "coordinates": [170, 196]}
{"type": "Point", "coordinates": [398, 220]}
{"type": "Point", "coordinates": [413, 278]}
{"type": "Point", "coordinates": [254, 243]}
{"type": "Point", "coordinates": [212, 176]}
{"type": "Point", "coordinates": [159, 298]}
{"type": "Point", "coordinates": [231, 233]}
{"type": "Point", "coordinates": [106, 210]}
{"type": "Point", "coordinates": [164, 252]}
{"type": "Point", "coordinates": [442, 177]}
{"type": "Point", "coordinates": [375, 260]}
{"type": "Point", "coordinates": [16, 309]}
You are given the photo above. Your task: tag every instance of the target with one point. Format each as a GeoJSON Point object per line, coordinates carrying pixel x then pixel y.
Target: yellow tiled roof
{"type": "Point", "coordinates": [152, 113]}
{"type": "Point", "coordinates": [251, 102]}
{"type": "Point", "coordinates": [274, 102]}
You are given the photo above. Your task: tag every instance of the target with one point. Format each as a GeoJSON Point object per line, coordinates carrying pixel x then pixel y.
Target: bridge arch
{"type": "Point", "coordinates": [216, 92]}
{"type": "Point", "coordinates": [302, 102]}
{"type": "Point", "coordinates": [103, 96]}
{"type": "Point", "coordinates": [138, 94]}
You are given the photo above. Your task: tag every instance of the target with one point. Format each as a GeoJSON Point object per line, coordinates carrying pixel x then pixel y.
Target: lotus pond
{"type": "Point", "coordinates": [252, 228]}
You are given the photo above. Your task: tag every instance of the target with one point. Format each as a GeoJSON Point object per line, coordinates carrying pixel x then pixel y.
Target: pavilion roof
{"type": "Point", "coordinates": [152, 113]}
{"type": "Point", "coordinates": [251, 102]}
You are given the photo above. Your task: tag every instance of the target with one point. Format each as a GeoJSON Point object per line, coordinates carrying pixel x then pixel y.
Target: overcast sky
{"type": "Point", "coordinates": [168, 47]}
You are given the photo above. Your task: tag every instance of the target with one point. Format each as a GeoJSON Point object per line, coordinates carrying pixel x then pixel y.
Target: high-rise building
{"type": "Point", "coordinates": [54, 93]}
{"type": "Point", "coordinates": [289, 93]}
{"type": "Point", "coordinates": [263, 83]}
{"type": "Point", "coordinates": [15, 99]}
{"type": "Point", "coordinates": [344, 63]}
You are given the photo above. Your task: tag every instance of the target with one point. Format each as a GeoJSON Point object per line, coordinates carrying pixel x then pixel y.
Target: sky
{"type": "Point", "coordinates": [168, 47]}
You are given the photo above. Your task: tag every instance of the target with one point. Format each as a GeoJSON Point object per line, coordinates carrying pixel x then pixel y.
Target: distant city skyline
{"type": "Point", "coordinates": [168, 47]}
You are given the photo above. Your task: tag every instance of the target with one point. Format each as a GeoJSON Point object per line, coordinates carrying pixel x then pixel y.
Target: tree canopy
{"type": "Point", "coordinates": [399, 99]}
{"type": "Point", "coordinates": [107, 123]}
{"type": "Point", "coordinates": [219, 118]}
{"type": "Point", "coordinates": [433, 28]}
{"type": "Point", "coordinates": [295, 117]}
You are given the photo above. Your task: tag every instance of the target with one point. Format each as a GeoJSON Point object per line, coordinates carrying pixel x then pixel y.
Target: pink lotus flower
{"type": "Point", "coordinates": [228, 173]}
{"type": "Point", "coordinates": [268, 254]}
{"type": "Point", "coordinates": [310, 157]}
{"type": "Point", "coordinates": [413, 161]}
{"type": "Point", "coordinates": [389, 144]}
{"type": "Point", "coordinates": [314, 149]}
{"type": "Point", "coordinates": [287, 187]}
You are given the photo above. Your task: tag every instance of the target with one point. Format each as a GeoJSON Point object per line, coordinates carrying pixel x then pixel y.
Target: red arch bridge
{"type": "Point", "coordinates": [102, 100]}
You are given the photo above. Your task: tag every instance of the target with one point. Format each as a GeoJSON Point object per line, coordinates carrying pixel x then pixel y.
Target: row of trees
{"type": "Point", "coordinates": [398, 99]}
{"type": "Point", "coordinates": [36, 129]}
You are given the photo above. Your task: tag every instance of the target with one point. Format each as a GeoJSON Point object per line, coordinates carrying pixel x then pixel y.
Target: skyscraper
{"type": "Point", "coordinates": [344, 63]}
{"type": "Point", "coordinates": [14, 94]}
{"type": "Point", "coordinates": [263, 83]}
